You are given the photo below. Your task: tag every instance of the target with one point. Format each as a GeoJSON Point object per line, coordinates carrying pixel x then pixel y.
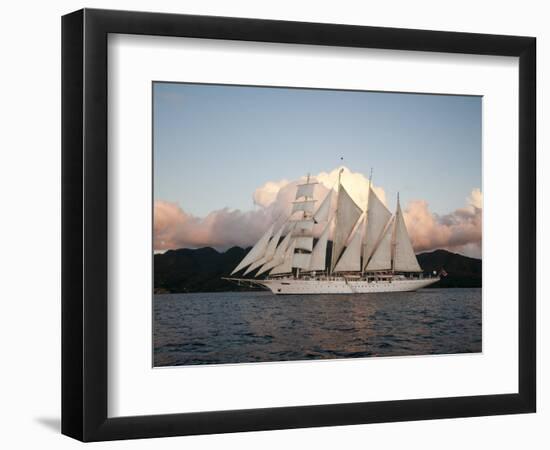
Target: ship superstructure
{"type": "Point", "coordinates": [371, 250]}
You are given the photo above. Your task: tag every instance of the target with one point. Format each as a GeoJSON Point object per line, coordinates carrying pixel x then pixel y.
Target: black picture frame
{"type": "Point", "coordinates": [84, 224]}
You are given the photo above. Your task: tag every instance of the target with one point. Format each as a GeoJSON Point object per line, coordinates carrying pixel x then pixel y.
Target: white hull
{"type": "Point", "coordinates": [287, 286]}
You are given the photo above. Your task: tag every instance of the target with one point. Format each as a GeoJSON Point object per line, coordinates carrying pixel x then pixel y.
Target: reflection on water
{"type": "Point", "coordinates": [239, 327]}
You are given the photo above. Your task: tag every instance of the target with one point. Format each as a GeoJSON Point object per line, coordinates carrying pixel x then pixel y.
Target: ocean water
{"type": "Point", "coordinates": [243, 327]}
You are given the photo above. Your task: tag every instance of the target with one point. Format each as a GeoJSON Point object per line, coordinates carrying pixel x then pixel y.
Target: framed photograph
{"type": "Point", "coordinates": [273, 224]}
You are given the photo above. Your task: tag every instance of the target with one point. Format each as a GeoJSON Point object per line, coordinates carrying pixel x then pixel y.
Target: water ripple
{"type": "Point", "coordinates": [240, 327]}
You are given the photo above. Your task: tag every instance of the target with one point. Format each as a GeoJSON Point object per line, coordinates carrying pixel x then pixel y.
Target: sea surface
{"type": "Point", "coordinates": [243, 327]}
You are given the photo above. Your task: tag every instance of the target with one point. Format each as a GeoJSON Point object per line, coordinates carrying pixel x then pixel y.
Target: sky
{"type": "Point", "coordinates": [232, 148]}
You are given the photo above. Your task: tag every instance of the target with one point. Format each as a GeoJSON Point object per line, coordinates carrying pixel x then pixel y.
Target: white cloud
{"type": "Point", "coordinates": [459, 231]}
{"type": "Point", "coordinates": [266, 194]}
{"type": "Point", "coordinates": [174, 228]}
{"type": "Point", "coordinates": [355, 183]}
{"type": "Point", "coordinates": [476, 198]}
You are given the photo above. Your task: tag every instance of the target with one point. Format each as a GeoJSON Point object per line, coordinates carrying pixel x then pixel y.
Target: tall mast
{"type": "Point", "coordinates": [333, 253]}
{"type": "Point", "coordinates": [305, 222]}
{"type": "Point", "coordinates": [304, 216]}
{"type": "Point", "coordinates": [364, 263]}
{"type": "Point", "coordinates": [393, 239]}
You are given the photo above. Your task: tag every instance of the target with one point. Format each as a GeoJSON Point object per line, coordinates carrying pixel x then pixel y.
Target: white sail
{"type": "Point", "coordinates": [304, 243]}
{"type": "Point", "coordinates": [255, 265]}
{"type": "Point", "coordinates": [351, 258]}
{"type": "Point", "coordinates": [404, 259]}
{"type": "Point", "coordinates": [305, 190]}
{"type": "Point", "coordinates": [286, 266]}
{"type": "Point", "coordinates": [322, 213]}
{"type": "Point", "coordinates": [303, 226]}
{"type": "Point", "coordinates": [301, 260]}
{"type": "Point", "coordinates": [303, 205]}
{"type": "Point", "coordinates": [347, 214]}
{"type": "Point", "coordinates": [377, 218]}
{"type": "Point", "coordinates": [319, 254]}
{"type": "Point", "coordinates": [257, 252]}
{"type": "Point", "coordinates": [381, 258]}
{"type": "Point", "coordinates": [269, 252]}
{"type": "Point", "coordinates": [278, 257]}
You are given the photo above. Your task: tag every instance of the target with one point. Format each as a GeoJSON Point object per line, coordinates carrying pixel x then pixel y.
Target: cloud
{"type": "Point", "coordinates": [355, 183]}
{"type": "Point", "coordinates": [174, 228]}
{"type": "Point", "coordinates": [283, 190]}
{"type": "Point", "coordinates": [458, 231]}
{"type": "Point", "coordinates": [476, 198]}
{"type": "Point", "coordinates": [265, 195]}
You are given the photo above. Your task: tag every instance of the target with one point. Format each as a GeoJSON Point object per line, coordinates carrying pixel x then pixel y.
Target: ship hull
{"type": "Point", "coordinates": [291, 286]}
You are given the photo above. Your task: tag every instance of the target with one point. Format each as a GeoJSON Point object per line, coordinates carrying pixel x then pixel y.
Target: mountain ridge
{"type": "Point", "coordinates": [201, 269]}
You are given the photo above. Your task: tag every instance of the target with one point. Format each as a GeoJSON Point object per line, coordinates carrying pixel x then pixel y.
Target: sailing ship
{"type": "Point", "coordinates": [371, 250]}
